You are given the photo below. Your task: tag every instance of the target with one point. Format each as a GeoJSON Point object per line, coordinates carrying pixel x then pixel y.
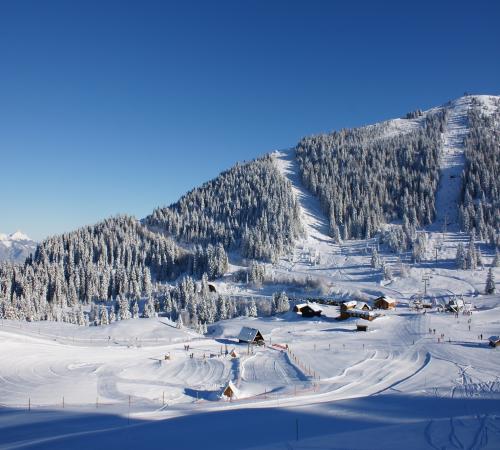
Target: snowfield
{"type": "Point", "coordinates": [333, 385]}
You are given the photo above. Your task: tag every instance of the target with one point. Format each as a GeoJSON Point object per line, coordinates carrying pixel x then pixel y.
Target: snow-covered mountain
{"type": "Point", "coordinates": [16, 247]}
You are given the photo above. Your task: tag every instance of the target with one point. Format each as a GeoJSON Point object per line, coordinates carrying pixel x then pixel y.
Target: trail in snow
{"type": "Point", "coordinates": [314, 221]}
{"type": "Point", "coordinates": [452, 164]}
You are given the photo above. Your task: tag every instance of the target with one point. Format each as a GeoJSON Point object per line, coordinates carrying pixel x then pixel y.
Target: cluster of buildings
{"type": "Point", "coordinates": [351, 308]}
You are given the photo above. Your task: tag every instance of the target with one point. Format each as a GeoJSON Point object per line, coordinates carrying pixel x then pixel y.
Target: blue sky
{"type": "Point", "coordinates": [113, 107]}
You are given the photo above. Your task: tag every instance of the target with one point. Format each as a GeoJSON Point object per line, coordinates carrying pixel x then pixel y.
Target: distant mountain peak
{"type": "Point", "coordinates": [19, 236]}
{"type": "Point", "coordinates": [16, 247]}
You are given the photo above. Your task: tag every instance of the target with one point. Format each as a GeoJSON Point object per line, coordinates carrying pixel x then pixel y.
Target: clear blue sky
{"type": "Point", "coordinates": [117, 107]}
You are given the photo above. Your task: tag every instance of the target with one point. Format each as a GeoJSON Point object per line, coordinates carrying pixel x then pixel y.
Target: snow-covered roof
{"type": "Point", "coordinates": [350, 303]}
{"type": "Point", "coordinates": [247, 334]}
{"type": "Point", "coordinates": [361, 305]}
{"type": "Point", "coordinates": [231, 386]}
{"type": "Point", "coordinates": [494, 338]}
{"type": "Point", "coordinates": [386, 298]}
{"type": "Point", "coordinates": [300, 306]}
{"type": "Point", "coordinates": [315, 307]}
{"type": "Point", "coordinates": [363, 312]}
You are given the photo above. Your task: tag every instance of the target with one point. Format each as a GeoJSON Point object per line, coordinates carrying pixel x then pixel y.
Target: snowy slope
{"type": "Point", "coordinates": [452, 164]}
{"type": "Point", "coordinates": [15, 247]}
{"type": "Point", "coordinates": [334, 386]}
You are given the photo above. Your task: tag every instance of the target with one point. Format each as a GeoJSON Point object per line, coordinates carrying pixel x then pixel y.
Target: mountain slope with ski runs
{"type": "Point", "coordinates": [126, 334]}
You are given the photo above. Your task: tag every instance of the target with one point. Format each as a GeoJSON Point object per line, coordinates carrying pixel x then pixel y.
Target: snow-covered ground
{"type": "Point", "coordinates": [452, 164]}
{"type": "Point", "coordinates": [334, 386]}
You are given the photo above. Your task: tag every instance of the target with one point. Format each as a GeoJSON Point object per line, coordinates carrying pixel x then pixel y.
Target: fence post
{"type": "Point", "coordinates": [63, 401]}
{"type": "Point", "coordinates": [29, 403]}
{"type": "Point", "coordinates": [96, 402]}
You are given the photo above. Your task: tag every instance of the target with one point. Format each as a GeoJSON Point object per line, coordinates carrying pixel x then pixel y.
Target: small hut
{"type": "Point", "coordinates": [229, 391]}
{"type": "Point", "coordinates": [351, 304]}
{"type": "Point", "coordinates": [211, 288]}
{"type": "Point", "coordinates": [308, 309]}
{"type": "Point", "coordinates": [363, 306]}
{"type": "Point", "coordinates": [359, 313]}
{"type": "Point", "coordinates": [385, 302]}
{"type": "Point", "coordinates": [361, 327]}
{"type": "Point", "coordinates": [251, 336]}
{"type": "Point", "coordinates": [494, 341]}
{"type": "Point", "coordinates": [234, 354]}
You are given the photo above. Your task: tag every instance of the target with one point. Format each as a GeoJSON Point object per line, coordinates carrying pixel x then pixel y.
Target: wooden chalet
{"type": "Point", "coordinates": [229, 391]}
{"type": "Point", "coordinates": [308, 309]}
{"type": "Point", "coordinates": [359, 313]}
{"type": "Point", "coordinates": [385, 302]}
{"type": "Point", "coordinates": [363, 306]}
{"type": "Point", "coordinates": [351, 304]}
{"type": "Point", "coordinates": [251, 336]}
{"type": "Point", "coordinates": [494, 341]}
{"type": "Point", "coordinates": [234, 354]}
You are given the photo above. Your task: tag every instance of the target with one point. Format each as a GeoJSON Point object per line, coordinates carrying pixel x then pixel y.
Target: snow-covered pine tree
{"type": "Point", "coordinates": [280, 303]}
{"type": "Point", "coordinates": [104, 316]}
{"type": "Point", "coordinates": [490, 287]}
{"type": "Point", "coordinates": [388, 276]}
{"type": "Point", "coordinates": [149, 309]}
{"type": "Point", "coordinates": [252, 308]}
{"type": "Point", "coordinates": [460, 257]}
{"type": "Point", "coordinates": [471, 256]}
{"type": "Point", "coordinates": [135, 309]}
{"type": "Point", "coordinates": [375, 259]}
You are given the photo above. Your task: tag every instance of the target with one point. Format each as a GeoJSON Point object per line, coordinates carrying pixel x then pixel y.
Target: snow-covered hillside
{"type": "Point", "coordinates": [16, 247]}
{"type": "Point", "coordinates": [418, 378]}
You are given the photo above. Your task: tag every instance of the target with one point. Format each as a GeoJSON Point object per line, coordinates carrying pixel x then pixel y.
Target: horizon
{"type": "Point", "coordinates": [121, 108]}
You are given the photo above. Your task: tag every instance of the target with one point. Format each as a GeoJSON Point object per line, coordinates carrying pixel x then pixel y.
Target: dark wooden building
{"type": "Point", "coordinates": [494, 341]}
{"type": "Point", "coordinates": [251, 336]}
{"type": "Point", "coordinates": [385, 302]}
{"type": "Point", "coordinates": [308, 310]}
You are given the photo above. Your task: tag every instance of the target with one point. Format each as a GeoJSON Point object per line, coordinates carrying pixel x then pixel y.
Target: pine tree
{"type": "Point", "coordinates": [135, 310]}
{"type": "Point", "coordinates": [252, 309]}
{"type": "Point", "coordinates": [387, 272]}
{"type": "Point", "coordinates": [280, 303]}
{"type": "Point", "coordinates": [104, 316]}
{"type": "Point", "coordinates": [149, 309]}
{"type": "Point", "coordinates": [375, 259]}
{"type": "Point", "coordinates": [460, 258]}
{"type": "Point", "coordinates": [490, 287]}
{"type": "Point", "coordinates": [471, 258]}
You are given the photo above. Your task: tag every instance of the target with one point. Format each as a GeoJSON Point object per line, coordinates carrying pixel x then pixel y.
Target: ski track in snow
{"type": "Point", "coordinates": [452, 163]}
{"type": "Point", "coordinates": [313, 219]}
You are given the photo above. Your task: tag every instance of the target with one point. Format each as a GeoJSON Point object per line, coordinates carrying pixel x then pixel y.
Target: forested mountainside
{"type": "Point", "coordinates": [250, 206]}
{"type": "Point", "coordinates": [364, 177]}
{"type": "Point", "coordinates": [480, 209]}
{"type": "Point", "coordinates": [113, 258]}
